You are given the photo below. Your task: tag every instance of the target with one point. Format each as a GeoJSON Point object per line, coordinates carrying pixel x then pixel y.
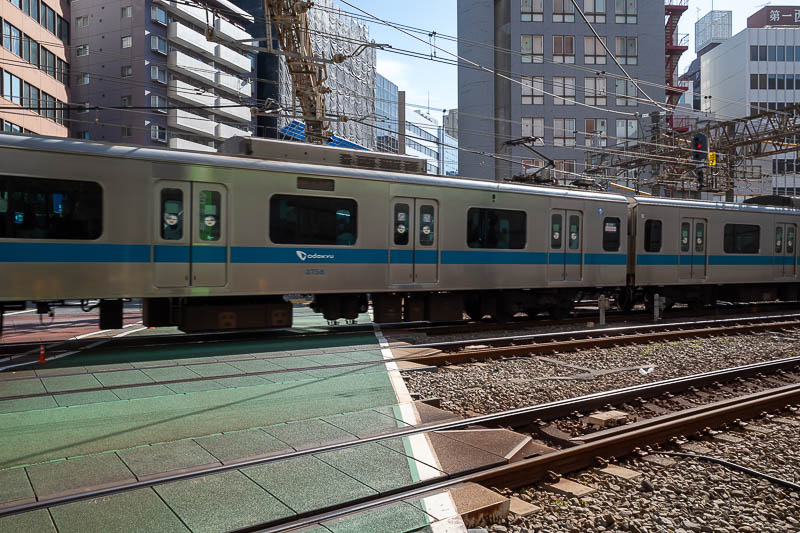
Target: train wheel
{"type": "Point", "coordinates": [559, 312]}
{"type": "Point", "coordinates": [626, 300]}
{"type": "Point", "coordinates": [473, 310]}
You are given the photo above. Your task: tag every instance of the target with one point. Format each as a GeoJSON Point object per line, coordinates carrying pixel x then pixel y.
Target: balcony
{"type": "Point", "coordinates": [177, 143]}
{"type": "Point", "coordinates": [230, 31]}
{"type": "Point", "coordinates": [189, 94]}
{"type": "Point", "coordinates": [195, 14]}
{"type": "Point", "coordinates": [226, 132]}
{"type": "Point", "coordinates": [182, 119]}
{"type": "Point", "coordinates": [234, 84]}
{"type": "Point", "coordinates": [190, 66]}
{"type": "Point", "coordinates": [237, 113]}
{"type": "Point", "coordinates": [184, 35]}
{"type": "Point", "coordinates": [232, 59]}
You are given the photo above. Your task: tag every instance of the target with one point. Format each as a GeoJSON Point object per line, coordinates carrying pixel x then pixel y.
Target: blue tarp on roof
{"type": "Point", "coordinates": [297, 130]}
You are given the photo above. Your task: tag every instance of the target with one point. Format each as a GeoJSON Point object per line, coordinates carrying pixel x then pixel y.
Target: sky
{"type": "Point", "coordinates": [427, 82]}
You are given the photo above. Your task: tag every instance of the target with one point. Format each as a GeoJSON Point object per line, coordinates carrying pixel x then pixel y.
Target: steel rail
{"type": "Point", "coordinates": [514, 418]}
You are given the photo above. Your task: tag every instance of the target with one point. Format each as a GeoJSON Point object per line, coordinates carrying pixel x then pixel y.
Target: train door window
{"type": "Point", "coordinates": [496, 228]}
{"type": "Point", "coordinates": [652, 236]}
{"type": "Point", "coordinates": [700, 237]}
{"type": "Point", "coordinates": [790, 234]}
{"type": "Point", "coordinates": [210, 222]}
{"type": "Point", "coordinates": [611, 238]}
{"type": "Point", "coordinates": [574, 232]}
{"type": "Point", "coordinates": [779, 240]}
{"type": "Point", "coordinates": [426, 225]}
{"type": "Point", "coordinates": [312, 220]}
{"type": "Point", "coordinates": [742, 239]}
{"type": "Point", "coordinates": [401, 228]}
{"type": "Point", "coordinates": [171, 214]}
{"type": "Point", "coordinates": [686, 230]}
{"type": "Point", "coordinates": [556, 236]}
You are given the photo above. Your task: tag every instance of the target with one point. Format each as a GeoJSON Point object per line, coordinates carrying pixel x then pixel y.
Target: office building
{"type": "Point", "coordinates": [386, 115]}
{"type": "Point", "coordinates": [556, 63]}
{"type": "Point", "coordinates": [34, 66]}
{"type": "Point", "coordinates": [184, 91]}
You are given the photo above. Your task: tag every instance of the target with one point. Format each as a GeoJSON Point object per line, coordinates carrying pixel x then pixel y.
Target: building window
{"type": "Point", "coordinates": [626, 93]}
{"type": "Point", "coordinates": [127, 131]}
{"type": "Point", "coordinates": [12, 38]}
{"type": "Point", "coordinates": [158, 103]}
{"type": "Point", "coordinates": [564, 90]}
{"type": "Point", "coordinates": [158, 44]}
{"type": "Point", "coordinates": [595, 10]}
{"type": "Point", "coordinates": [596, 132]}
{"type": "Point", "coordinates": [312, 220]}
{"type": "Point", "coordinates": [626, 12]}
{"type": "Point", "coordinates": [771, 53]}
{"type": "Point", "coordinates": [127, 12]}
{"type": "Point", "coordinates": [762, 53]}
{"type": "Point", "coordinates": [782, 81]}
{"type": "Point", "coordinates": [158, 14]}
{"type": "Point", "coordinates": [754, 81]}
{"type": "Point", "coordinates": [82, 22]}
{"type": "Point", "coordinates": [532, 90]}
{"type": "Point", "coordinates": [564, 169]}
{"type": "Point", "coordinates": [563, 48]}
{"type": "Point", "coordinates": [770, 81]}
{"type": "Point", "coordinates": [158, 74]}
{"type": "Point", "coordinates": [593, 51]}
{"type": "Point", "coordinates": [32, 9]}
{"type": "Point", "coordinates": [158, 133]}
{"type": "Point", "coordinates": [496, 228]}
{"type": "Point", "coordinates": [12, 88]}
{"type": "Point", "coordinates": [563, 11]}
{"type": "Point", "coordinates": [564, 132]}
{"type": "Point", "coordinates": [595, 91]}
{"type": "Point", "coordinates": [127, 71]}
{"type": "Point", "coordinates": [82, 50]}
{"type": "Point", "coordinates": [532, 48]}
{"type": "Point", "coordinates": [82, 79]}
{"type": "Point", "coordinates": [127, 41]}
{"type": "Point", "coordinates": [126, 100]}
{"type": "Point", "coordinates": [532, 11]}
{"type": "Point", "coordinates": [533, 127]}
{"type": "Point", "coordinates": [30, 97]}
{"type": "Point", "coordinates": [753, 52]}
{"type": "Point", "coordinates": [627, 131]}
{"type": "Point", "coordinates": [627, 50]}
{"type": "Point", "coordinates": [47, 61]}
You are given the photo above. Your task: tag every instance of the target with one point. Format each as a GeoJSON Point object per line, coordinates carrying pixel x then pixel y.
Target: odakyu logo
{"type": "Point", "coordinates": [303, 256]}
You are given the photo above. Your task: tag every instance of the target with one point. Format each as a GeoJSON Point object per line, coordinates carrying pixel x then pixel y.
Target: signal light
{"type": "Point", "coordinates": [700, 145]}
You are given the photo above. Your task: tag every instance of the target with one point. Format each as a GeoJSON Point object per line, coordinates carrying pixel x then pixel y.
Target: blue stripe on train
{"type": "Point", "coordinates": [407, 257]}
{"type": "Point", "coordinates": [172, 253]}
{"type": "Point", "coordinates": [209, 254]}
{"type": "Point", "coordinates": [49, 252]}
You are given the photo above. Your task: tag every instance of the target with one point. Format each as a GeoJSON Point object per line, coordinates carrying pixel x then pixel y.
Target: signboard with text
{"type": "Point", "coordinates": [775, 16]}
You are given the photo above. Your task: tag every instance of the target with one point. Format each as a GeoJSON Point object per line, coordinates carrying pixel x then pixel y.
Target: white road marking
{"type": "Point", "coordinates": [19, 312]}
{"type": "Point", "coordinates": [129, 332]}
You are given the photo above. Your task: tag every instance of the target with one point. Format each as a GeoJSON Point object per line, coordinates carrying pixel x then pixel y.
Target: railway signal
{"type": "Point", "coordinates": [699, 147]}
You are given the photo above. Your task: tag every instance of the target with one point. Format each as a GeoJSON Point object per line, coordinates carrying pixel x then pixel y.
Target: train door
{"type": "Point", "coordinates": [566, 245]}
{"type": "Point", "coordinates": [190, 243]}
{"type": "Point", "coordinates": [414, 243]}
{"type": "Point", "coordinates": [785, 264]}
{"type": "Point", "coordinates": [693, 257]}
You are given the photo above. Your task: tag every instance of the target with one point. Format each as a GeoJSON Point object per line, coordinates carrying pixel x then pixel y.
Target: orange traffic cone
{"type": "Point", "coordinates": [41, 354]}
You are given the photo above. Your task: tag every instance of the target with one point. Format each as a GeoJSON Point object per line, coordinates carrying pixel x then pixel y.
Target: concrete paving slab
{"type": "Point", "coordinates": [170, 373]}
{"type": "Point", "coordinates": [138, 510]}
{"type": "Point", "coordinates": [147, 391]}
{"type": "Point", "coordinates": [659, 460]}
{"type": "Point", "coordinates": [215, 369]}
{"type": "Point", "coordinates": [84, 398]}
{"type": "Point", "coordinates": [242, 445]}
{"type": "Point", "coordinates": [502, 442]}
{"type": "Point", "coordinates": [51, 369]}
{"type": "Point", "coordinates": [63, 383]}
{"type": "Point", "coordinates": [221, 502]}
{"type": "Point", "coordinates": [38, 521]}
{"type": "Point", "coordinates": [399, 518]}
{"type": "Point", "coordinates": [122, 377]}
{"type": "Point", "coordinates": [81, 474]}
{"type": "Point", "coordinates": [194, 386]}
{"type": "Point", "coordinates": [456, 456]}
{"type": "Point", "coordinates": [291, 376]}
{"type": "Point", "coordinates": [308, 434]}
{"type": "Point", "coordinates": [27, 404]}
{"type": "Point", "coordinates": [17, 374]}
{"type": "Point", "coordinates": [148, 462]}
{"type": "Point", "coordinates": [22, 386]}
{"type": "Point", "coordinates": [521, 507]}
{"type": "Point", "coordinates": [121, 365]}
{"type": "Point", "coordinates": [244, 381]}
{"type": "Point", "coordinates": [478, 505]}
{"type": "Point", "coordinates": [329, 359]}
{"type": "Point", "coordinates": [15, 489]}
{"type": "Point", "coordinates": [294, 363]}
{"type": "Point", "coordinates": [567, 487]}
{"type": "Point", "coordinates": [363, 355]}
{"type": "Point", "coordinates": [306, 483]}
{"type": "Point", "coordinates": [367, 423]}
{"type": "Point", "coordinates": [343, 371]}
{"type": "Point", "coordinates": [255, 365]}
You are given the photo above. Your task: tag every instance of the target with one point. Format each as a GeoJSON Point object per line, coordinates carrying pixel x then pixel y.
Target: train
{"type": "Point", "coordinates": [218, 241]}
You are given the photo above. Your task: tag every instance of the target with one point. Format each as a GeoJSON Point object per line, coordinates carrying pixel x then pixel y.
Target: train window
{"type": "Point", "coordinates": [496, 228]}
{"type": "Point", "coordinates": [742, 239]}
{"type": "Point", "coordinates": [652, 236]}
{"type": "Point", "coordinates": [700, 237]}
{"type": "Point", "coordinates": [171, 214]}
{"type": "Point", "coordinates": [611, 231]}
{"type": "Point", "coordinates": [312, 220]}
{"type": "Point", "coordinates": [574, 232]}
{"type": "Point", "coordinates": [790, 231]}
{"type": "Point", "coordinates": [401, 229]}
{"type": "Point", "coordinates": [50, 209]}
{"type": "Point", "coordinates": [686, 230]}
{"type": "Point", "coordinates": [210, 222]}
{"type": "Point", "coordinates": [555, 232]}
{"type": "Point", "coordinates": [426, 225]}
{"type": "Point", "coordinates": [779, 240]}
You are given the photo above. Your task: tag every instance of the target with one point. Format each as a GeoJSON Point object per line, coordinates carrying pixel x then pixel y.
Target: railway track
{"type": "Point", "coordinates": [617, 442]}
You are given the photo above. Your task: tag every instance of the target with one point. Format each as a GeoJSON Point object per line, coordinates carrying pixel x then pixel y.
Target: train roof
{"type": "Point", "coordinates": [721, 206]}
{"type": "Point", "coordinates": [101, 149]}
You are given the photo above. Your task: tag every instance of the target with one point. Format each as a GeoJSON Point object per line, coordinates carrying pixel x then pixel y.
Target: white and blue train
{"type": "Point", "coordinates": [212, 241]}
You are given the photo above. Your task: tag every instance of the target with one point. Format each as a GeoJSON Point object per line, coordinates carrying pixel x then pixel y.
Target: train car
{"type": "Point", "coordinates": [212, 242]}
{"type": "Point", "coordinates": [699, 252]}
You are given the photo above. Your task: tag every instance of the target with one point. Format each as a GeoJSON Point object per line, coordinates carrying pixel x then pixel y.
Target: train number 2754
{"type": "Point", "coordinates": [315, 272]}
